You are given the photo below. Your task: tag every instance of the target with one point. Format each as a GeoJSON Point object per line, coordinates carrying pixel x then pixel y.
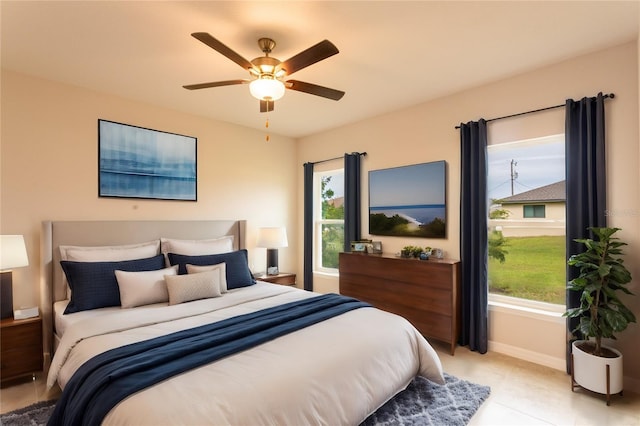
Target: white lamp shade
{"type": "Point", "coordinates": [273, 237]}
{"type": "Point", "coordinates": [13, 252]}
{"type": "Point", "coordinates": [266, 89]}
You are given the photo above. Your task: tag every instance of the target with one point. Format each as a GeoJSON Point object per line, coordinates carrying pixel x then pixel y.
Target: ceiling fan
{"type": "Point", "coordinates": [267, 83]}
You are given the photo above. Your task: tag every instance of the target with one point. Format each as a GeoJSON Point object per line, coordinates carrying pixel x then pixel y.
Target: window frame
{"type": "Point", "coordinates": [318, 221]}
{"type": "Point", "coordinates": [533, 308]}
{"type": "Point", "coordinates": [535, 209]}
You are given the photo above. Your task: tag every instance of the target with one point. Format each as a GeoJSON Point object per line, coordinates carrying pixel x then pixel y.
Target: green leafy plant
{"type": "Point", "coordinates": [602, 277]}
{"type": "Point", "coordinates": [414, 251]}
{"type": "Point", "coordinates": [496, 243]}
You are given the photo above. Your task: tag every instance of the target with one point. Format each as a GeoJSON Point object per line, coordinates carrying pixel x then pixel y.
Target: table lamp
{"type": "Point", "coordinates": [13, 254]}
{"type": "Point", "coordinates": [271, 239]}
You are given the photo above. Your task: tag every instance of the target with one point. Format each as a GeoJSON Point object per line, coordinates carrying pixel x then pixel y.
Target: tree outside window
{"type": "Point", "coordinates": [330, 222]}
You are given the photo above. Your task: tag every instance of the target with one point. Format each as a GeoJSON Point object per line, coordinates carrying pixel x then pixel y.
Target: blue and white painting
{"type": "Point", "coordinates": [135, 162]}
{"type": "Point", "coordinates": [408, 201]}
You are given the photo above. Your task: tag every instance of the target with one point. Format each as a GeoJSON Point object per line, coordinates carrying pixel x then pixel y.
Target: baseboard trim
{"type": "Point", "coordinates": [630, 383]}
{"type": "Point", "coordinates": [527, 355]}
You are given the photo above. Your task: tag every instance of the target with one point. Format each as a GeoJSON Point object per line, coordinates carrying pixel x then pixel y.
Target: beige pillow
{"type": "Point", "coordinates": [143, 288]}
{"type": "Point", "coordinates": [197, 247]}
{"type": "Point", "coordinates": [194, 269]}
{"type": "Point", "coordinates": [110, 253]}
{"type": "Point", "coordinates": [185, 288]}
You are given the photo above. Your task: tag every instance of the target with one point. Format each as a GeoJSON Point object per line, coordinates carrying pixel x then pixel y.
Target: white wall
{"type": "Point", "coordinates": [426, 133]}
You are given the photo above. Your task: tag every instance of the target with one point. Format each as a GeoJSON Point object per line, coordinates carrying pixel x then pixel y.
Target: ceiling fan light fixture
{"type": "Point", "coordinates": [267, 68]}
{"type": "Point", "coordinates": [266, 89]}
{"type": "Point", "coordinates": [267, 75]}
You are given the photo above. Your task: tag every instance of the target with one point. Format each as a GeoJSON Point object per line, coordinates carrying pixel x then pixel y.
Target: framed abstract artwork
{"type": "Point", "coordinates": [135, 162]}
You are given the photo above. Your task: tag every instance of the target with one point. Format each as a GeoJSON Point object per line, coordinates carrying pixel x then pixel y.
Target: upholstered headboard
{"type": "Point", "coordinates": [104, 233]}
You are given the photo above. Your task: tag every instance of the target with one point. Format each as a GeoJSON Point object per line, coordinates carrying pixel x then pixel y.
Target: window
{"type": "Point", "coordinates": [533, 210]}
{"type": "Point", "coordinates": [328, 219]}
{"type": "Point", "coordinates": [527, 263]}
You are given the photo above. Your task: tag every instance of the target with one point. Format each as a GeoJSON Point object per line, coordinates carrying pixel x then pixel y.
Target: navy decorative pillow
{"type": "Point", "coordinates": [238, 273]}
{"type": "Point", "coordinates": [94, 285]}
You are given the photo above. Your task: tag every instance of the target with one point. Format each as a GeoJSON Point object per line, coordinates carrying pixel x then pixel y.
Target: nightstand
{"type": "Point", "coordinates": [21, 348]}
{"type": "Point", "coordinates": [283, 278]}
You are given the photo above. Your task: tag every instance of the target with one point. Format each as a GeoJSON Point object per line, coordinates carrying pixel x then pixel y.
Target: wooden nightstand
{"type": "Point", "coordinates": [284, 278]}
{"type": "Point", "coordinates": [21, 348]}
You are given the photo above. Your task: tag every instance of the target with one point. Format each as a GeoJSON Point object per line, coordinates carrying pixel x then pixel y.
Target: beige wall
{"type": "Point", "coordinates": [48, 167]}
{"type": "Point", "coordinates": [49, 170]}
{"type": "Point", "coordinates": [426, 133]}
{"type": "Point", "coordinates": [552, 211]}
{"type": "Point", "coordinates": [516, 225]}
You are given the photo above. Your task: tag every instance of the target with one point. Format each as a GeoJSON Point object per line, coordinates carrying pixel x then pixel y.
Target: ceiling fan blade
{"type": "Point", "coordinates": [314, 54]}
{"type": "Point", "coordinates": [314, 89]}
{"type": "Point", "coordinates": [266, 106]}
{"type": "Point", "coordinates": [222, 48]}
{"type": "Point", "coordinates": [214, 84]}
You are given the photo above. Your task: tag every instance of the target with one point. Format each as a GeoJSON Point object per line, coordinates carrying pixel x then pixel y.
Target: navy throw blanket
{"type": "Point", "coordinates": [106, 379]}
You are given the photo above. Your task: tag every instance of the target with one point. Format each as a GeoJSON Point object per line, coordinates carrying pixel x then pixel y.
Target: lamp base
{"type": "Point", "coordinates": [6, 295]}
{"type": "Point", "coordinates": [272, 261]}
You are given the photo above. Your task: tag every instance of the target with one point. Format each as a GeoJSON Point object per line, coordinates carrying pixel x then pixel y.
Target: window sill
{"type": "Point", "coordinates": [527, 308]}
{"type": "Point", "coordinates": [328, 274]}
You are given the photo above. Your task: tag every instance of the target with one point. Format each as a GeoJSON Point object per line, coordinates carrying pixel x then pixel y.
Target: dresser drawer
{"type": "Point", "coordinates": [21, 335]}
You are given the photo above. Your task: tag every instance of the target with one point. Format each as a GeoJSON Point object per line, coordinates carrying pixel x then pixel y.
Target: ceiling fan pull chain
{"type": "Point", "coordinates": [266, 125]}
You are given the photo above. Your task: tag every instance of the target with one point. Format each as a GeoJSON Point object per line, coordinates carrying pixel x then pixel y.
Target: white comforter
{"type": "Point", "coordinates": [336, 372]}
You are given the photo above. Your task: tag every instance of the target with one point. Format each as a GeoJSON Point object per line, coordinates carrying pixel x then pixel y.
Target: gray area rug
{"type": "Point", "coordinates": [33, 415]}
{"type": "Point", "coordinates": [423, 403]}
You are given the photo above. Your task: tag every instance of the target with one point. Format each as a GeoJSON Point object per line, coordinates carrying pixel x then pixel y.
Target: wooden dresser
{"type": "Point", "coordinates": [425, 292]}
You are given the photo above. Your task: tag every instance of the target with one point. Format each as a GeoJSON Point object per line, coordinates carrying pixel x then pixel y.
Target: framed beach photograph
{"type": "Point", "coordinates": [135, 162]}
{"type": "Point", "coordinates": [361, 246]}
{"type": "Point", "coordinates": [408, 201]}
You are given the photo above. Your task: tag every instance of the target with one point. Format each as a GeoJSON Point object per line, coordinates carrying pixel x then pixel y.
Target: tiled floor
{"type": "Point", "coordinates": [26, 393]}
{"type": "Point", "coordinates": [522, 394]}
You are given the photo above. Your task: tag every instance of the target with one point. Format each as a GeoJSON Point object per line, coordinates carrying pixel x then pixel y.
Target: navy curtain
{"type": "Point", "coordinates": [308, 227]}
{"type": "Point", "coordinates": [352, 216]}
{"type": "Point", "coordinates": [586, 184]}
{"type": "Point", "coordinates": [473, 236]}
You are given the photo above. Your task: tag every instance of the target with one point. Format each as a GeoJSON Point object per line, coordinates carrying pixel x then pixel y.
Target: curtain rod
{"type": "Point", "coordinates": [364, 154]}
{"type": "Point", "coordinates": [610, 95]}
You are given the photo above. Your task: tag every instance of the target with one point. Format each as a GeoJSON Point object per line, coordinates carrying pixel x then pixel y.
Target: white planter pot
{"type": "Point", "coordinates": [590, 371]}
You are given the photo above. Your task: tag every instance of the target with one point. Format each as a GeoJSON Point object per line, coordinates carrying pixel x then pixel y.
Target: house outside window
{"type": "Point", "coordinates": [328, 220]}
{"type": "Point", "coordinates": [527, 192]}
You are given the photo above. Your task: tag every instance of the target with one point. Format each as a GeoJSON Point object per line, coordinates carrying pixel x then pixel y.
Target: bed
{"type": "Point", "coordinates": [330, 371]}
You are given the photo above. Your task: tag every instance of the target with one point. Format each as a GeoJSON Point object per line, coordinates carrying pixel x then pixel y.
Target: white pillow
{"type": "Point", "coordinates": [185, 288]}
{"type": "Point", "coordinates": [143, 288]}
{"type": "Point", "coordinates": [194, 269]}
{"type": "Point", "coordinates": [110, 253]}
{"type": "Point", "coordinates": [197, 247]}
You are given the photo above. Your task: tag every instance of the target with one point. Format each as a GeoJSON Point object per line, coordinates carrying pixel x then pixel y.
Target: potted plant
{"type": "Point", "coordinates": [601, 313]}
{"type": "Point", "coordinates": [407, 251]}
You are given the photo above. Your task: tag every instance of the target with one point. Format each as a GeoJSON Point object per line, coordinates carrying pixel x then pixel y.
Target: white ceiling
{"type": "Point", "coordinates": [392, 54]}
